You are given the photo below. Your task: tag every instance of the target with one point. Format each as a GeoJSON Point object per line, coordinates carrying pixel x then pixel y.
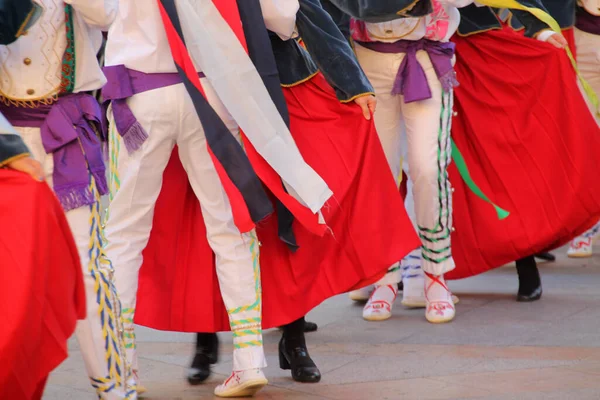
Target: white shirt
{"type": "Point", "coordinates": [30, 68]}
{"type": "Point", "coordinates": [137, 38]}
{"type": "Point", "coordinates": [416, 28]}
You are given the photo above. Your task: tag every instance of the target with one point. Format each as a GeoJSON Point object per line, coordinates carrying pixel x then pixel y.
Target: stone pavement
{"type": "Point", "coordinates": [496, 349]}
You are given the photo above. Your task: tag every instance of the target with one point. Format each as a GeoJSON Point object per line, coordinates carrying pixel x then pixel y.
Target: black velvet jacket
{"type": "Point", "coordinates": [383, 10]}
{"type": "Point", "coordinates": [327, 50]}
{"type": "Point", "coordinates": [16, 16]}
{"type": "Point", "coordinates": [475, 19]}
{"type": "Point", "coordinates": [563, 11]}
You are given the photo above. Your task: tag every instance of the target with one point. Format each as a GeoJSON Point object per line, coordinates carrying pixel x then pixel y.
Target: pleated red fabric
{"type": "Point", "coordinates": [368, 228]}
{"type": "Point", "coordinates": [531, 144]}
{"type": "Point", "coordinates": [43, 294]}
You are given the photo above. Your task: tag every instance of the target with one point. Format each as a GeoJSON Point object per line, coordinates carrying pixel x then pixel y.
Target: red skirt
{"type": "Point", "coordinates": [43, 293]}
{"type": "Point", "coordinates": [370, 230]}
{"type": "Point", "coordinates": [531, 144]}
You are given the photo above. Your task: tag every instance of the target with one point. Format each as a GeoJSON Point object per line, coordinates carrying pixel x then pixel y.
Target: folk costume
{"type": "Point", "coordinates": [307, 92]}
{"type": "Point", "coordinates": [301, 266]}
{"type": "Point", "coordinates": [530, 145]}
{"type": "Point", "coordinates": [587, 39]}
{"type": "Point", "coordinates": [44, 77]}
{"type": "Point", "coordinates": [44, 281]}
{"type": "Point", "coordinates": [271, 159]}
{"type": "Point", "coordinates": [408, 59]}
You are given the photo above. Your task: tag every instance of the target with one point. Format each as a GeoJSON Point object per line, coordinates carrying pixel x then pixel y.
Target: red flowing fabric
{"type": "Point", "coordinates": [531, 144]}
{"type": "Point", "coordinates": [229, 11]}
{"type": "Point", "coordinates": [43, 294]}
{"type": "Point", "coordinates": [369, 228]}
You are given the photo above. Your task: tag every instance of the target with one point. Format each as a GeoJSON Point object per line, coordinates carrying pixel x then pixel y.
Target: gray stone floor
{"type": "Point", "coordinates": [496, 349]}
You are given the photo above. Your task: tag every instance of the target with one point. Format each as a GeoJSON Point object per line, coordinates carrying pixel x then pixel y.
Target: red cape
{"type": "Point", "coordinates": [369, 228]}
{"type": "Point", "coordinates": [43, 292]}
{"type": "Point", "coordinates": [531, 144]}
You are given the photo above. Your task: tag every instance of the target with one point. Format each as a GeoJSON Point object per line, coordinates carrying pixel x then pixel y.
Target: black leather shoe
{"type": "Point", "coordinates": [299, 362]}
{"type": "Point", "coordinates": [548, 257]}
{"type": "Point", "coordinates": [207, 353]}
{"type": "Point", "coordinates": [310, 326]}
{"type": "Point", "coordinates": [530, 283]}
{"type": "Point", "coordinates": [536, 294]}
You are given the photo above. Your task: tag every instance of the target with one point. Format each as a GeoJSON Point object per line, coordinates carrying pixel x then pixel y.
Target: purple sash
{"type": "Point", "coordinates": [67, 131]}
{"type": "Point", "coordinates": [124, 83]}
{"type": "Point", "coordinates": [411, 80]}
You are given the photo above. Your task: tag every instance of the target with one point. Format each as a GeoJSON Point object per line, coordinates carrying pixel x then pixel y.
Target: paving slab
{"type": "Point", "coordinates": [496, 349]}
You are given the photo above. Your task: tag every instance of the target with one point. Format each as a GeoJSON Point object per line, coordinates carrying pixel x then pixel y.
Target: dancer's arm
{"type": "Point", "coordinates": [383, 10]}
{"type": "Point", "coordinates": [535, 28]}
{"type": "Point", "coordinates": [98, 13]}
{"type": "Point", "coordinates": [15, 155]}
{"type": "Point", "coordinates": [280, 16]}
{"type": "Point", "coordinates": [331, 52]}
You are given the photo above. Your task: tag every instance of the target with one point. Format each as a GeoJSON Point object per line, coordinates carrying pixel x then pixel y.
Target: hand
{"type": "Point", "coordinates": [29, 166]}
{"type": "Point", "coordinates": [558, 40]}
{"type": "Point", "coordinates": [367, 104]}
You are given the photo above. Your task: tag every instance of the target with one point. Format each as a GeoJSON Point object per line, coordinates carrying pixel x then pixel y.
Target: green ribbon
{"type": "Point", "coordinates": [546, 18]}
{"type": "Point", "coordinates": [459, 160]}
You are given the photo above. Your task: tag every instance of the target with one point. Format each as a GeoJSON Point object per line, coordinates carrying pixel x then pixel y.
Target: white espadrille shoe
{"type": "Point", "coordinates": [379, 306]}
{"type": "Point", "coordinates": [242, 384]}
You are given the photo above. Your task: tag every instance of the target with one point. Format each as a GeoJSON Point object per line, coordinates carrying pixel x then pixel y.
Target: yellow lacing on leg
{"type": "Point", "coordinates": [109, 309]}
{"type": "Point", "coordinates": [254, 249]}
{"type": "Point", "coordinates": [250, 326]}
{"type": "Point", "coordinates": [129, 334]}
{"type": "Point", "coordinates": [114, 183]}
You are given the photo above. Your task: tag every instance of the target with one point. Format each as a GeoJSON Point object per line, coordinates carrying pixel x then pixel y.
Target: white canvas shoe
{"type": "Point", "coordinates": [580, 247]}
{"type": "Point", "coordinates": [242, 384]}
{"type": "Point", "coordinates": [379, 306]}
{"type": "Point", "coordinates": [413, 278]}
{"type": "Point", "coordinates": [440, 305]}
{"type": "Point", "coordinates": [362, 294]}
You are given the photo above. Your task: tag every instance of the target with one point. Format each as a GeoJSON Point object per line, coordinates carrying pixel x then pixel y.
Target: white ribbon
{"type": "Point", "coordinates": [218, 53]}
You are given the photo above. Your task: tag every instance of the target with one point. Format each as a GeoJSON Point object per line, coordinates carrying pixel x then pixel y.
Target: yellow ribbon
{"type": "Point", "coordinates": [551, 22]}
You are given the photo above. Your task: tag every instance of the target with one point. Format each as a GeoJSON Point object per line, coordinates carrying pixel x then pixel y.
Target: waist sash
{"type": "Point", "coordinates": [411, 80]}
{"type": "Point", "coordinates": [68, 129]}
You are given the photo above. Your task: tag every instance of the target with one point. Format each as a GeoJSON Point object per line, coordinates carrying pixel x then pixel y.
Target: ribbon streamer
{"type": "Point", "coordinates": [466, 176]}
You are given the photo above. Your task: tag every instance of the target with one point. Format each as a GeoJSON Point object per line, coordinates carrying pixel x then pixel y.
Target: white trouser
{"type": "Point", "coordinates": [169, 118]}
{"type": "Point", "coordinates": [105, 360]}
{"type": "Point", "coordinates": [588, 61]}
{"type": "Point", "coordinates": [427, 124]}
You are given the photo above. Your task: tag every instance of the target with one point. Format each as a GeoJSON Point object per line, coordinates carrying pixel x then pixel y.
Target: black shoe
{"type": "Point", "coordinates": [299, 362]}
{"type": "Point", "coordinates": [536, 294]}
{"type": "Point", "coordinates": [530, 283]}
{"type": "Point", "coordinates": [549, 257]}
{"type": "Point", "coordinates": [207, 353]}
{"type": "Point", "coordinates": [310, 326]}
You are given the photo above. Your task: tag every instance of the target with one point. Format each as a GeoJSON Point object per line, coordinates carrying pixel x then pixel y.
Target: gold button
{"type": "Point", "coordinates": [30, 91]}
{"type": "Point", "coordinates": [389, 31]}
{"type": "Point", "coordinates": [27, 61]}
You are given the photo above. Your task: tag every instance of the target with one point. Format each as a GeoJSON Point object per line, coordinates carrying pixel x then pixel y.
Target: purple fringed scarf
{"type": "Point", "coordinates": [67, 132]}
{"type": "Point", "coordinates": [411, 80]}
{"type": "Point", "coordinates": [124, 83]}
